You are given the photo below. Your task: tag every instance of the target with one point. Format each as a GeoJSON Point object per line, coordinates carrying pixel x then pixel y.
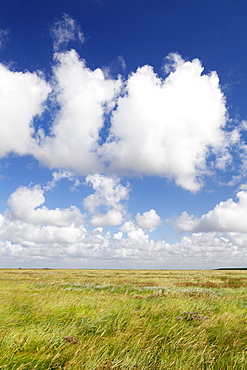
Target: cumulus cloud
{"type": "Point", "coordinates": [22, 97]}
{"type": "Point", "coordinates": [148, 221]}
{"type": "Point", "coordinates": [66, 30]}
{"type": "Point", "coordinates": [41, 236]}
{"type": "Point", "coordinates": [147, 125]}
{"type": "Point", "coordinates": [210, 249]}
{"type": "Point", "coordinates": [111, 218]}
{"type": "Point", "coordinates": [70, 246]}
{"type": "Point", "coordinates": [167, 126]}
{"type": "Point", "coordinates": [25, 204]}
{"type": "Point", "coordinates": [228, 216]}
{"type": "Point", "coordinates": [134, 233]}
{"type": "Point", "coordinates": [83, 96]}
{"type": "Point", "coordinates": [200, 250]}
{"type": "Point", "coordinates": [108, 196]}
{"type": "Point", "coordinates": [33, 236]}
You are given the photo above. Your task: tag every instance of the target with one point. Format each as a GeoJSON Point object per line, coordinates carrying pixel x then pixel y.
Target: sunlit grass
{"type": "Point", "coordinates": [120, 319]}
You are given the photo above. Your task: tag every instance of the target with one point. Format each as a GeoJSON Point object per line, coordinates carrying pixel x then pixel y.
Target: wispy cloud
{"type": "Point", "coordinates": [3, 37]}
{"type": "Point", "coordinates": [58, 176]}
{"type": "Point", "coordinates": [65, 30]}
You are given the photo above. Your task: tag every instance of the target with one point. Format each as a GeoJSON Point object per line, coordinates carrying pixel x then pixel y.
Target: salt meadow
{"type": "Point", "coordinates": [123, 319]}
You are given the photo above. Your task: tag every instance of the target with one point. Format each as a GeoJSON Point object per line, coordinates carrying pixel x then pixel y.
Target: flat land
{"type": "Point", "coordinates": [123, 319]}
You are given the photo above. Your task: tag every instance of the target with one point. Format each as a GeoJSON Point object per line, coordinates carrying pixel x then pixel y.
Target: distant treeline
{"type": "Point", "coordinates": [232, 268]}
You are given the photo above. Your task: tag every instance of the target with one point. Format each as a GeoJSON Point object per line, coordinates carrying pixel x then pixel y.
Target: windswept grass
{"type": "Point", "coordinates": [120, 319]}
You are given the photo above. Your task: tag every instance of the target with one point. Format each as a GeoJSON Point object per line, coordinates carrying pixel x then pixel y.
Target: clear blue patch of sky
{"type": "Point", "coordinates": [170, 201]}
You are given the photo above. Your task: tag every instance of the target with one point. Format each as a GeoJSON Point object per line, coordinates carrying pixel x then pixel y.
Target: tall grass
{"type": "Point", "coordinates": [107, 319]}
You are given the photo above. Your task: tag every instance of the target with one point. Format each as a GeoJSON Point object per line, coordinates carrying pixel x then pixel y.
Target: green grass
{"type": "Point", "coordinates": [123, 319]}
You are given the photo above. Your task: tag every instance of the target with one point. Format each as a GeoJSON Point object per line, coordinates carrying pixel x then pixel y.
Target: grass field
{"type": "Point", "coordinates": [123, 319]}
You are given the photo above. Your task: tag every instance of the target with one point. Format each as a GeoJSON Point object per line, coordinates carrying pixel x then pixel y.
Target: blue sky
{"type": "Point", "coordinates": [123, 134]}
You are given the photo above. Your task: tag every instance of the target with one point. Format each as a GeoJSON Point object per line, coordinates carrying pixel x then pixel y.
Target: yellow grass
{"type": "Point", "coordinates": [123, 319]}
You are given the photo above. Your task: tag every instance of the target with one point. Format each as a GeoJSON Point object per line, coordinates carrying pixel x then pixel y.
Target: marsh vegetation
{"type": "Point", "coordinates": [123, 319]}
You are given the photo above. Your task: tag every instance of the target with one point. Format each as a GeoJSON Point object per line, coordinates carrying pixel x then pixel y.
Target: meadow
{"type": "Point", "coordinates": [123, 319]}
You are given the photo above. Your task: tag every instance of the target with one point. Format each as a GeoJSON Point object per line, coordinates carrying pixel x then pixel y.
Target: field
{"type": "Point", "coordinates": [123, 319]}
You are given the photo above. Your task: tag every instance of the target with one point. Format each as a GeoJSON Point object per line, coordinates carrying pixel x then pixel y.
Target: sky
{"type": "Point", "coordinates": [123, 134]}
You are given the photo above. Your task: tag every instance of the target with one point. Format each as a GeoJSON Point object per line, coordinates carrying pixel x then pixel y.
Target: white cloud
{"type": "Point", "coordinates": [38, 236]}
{"type": "Point", "coordinates": [83, 97]}
{"type": "Point", "coordinates": [186, 222]}
{"type": "Point", "coordinates": [134, 232]}
{"type": "Point", "coordinates": [22, 96]}
{"type": "Point", "coordinates": [173, 61]}
{"type": "Point", "coordinates": [112, 218]}
{"type": "Point", "coordinates": [25, 205]}
{"type": "Point", "coordinates": [66, 30]}
{"type": "Point", "coordinates": [148, 221]}
{"type": "Point", "coordinates": [58, 176]}
{"type": "Point", "coordinates": [160, 127]}
{"type": "Point", "coordinates": [228, 216]}
{"type": "Point", "coordinates": [26, 242]}
{"type": "Point", "coordinates": [209, 249]}
{"type": "Point", "coordinates": [109, 195]}
{"type": "Point", "coordinates": [167, 127]}
{"type": "Point", "coordinates": [118, 235]}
